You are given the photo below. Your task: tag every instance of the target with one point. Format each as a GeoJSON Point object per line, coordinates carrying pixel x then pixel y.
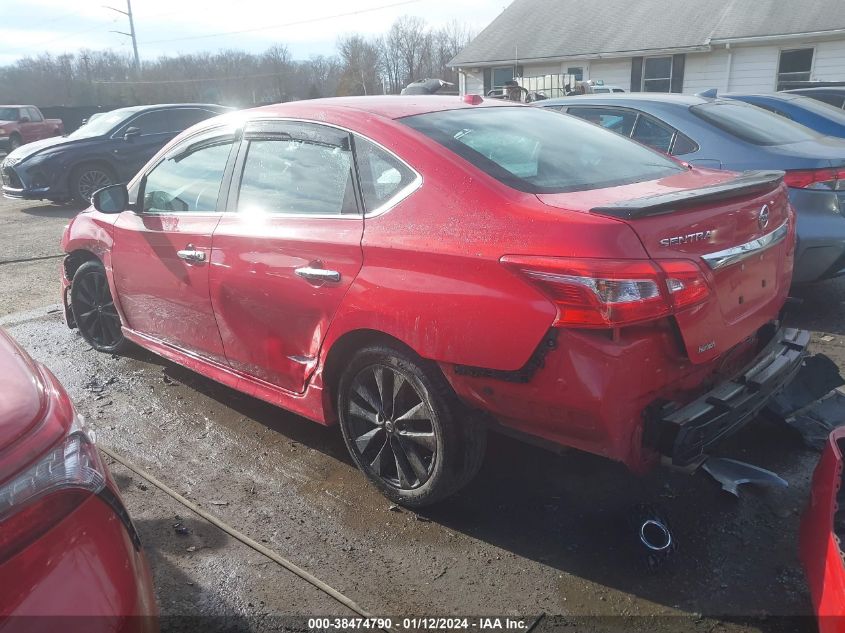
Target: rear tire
{"type": "Point", "coordinates": [94, 309]}
{"type": "Point", "coordinates": [405, 428]}
{"type": "Point", "coordinates": [87, 178]}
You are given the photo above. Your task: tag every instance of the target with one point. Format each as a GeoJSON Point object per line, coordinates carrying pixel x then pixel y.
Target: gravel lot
{"type": "Point", "coordinates": [536, 533]}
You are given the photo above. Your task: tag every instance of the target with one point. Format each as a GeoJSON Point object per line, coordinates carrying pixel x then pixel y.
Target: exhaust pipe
{"type": "Point", "coordinates": [655, 542]}
{"type": "Point", "coordinates": [655, 535]}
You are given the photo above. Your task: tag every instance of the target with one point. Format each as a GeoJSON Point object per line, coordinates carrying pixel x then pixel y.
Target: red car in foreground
{"type": "Point", "coordinates": [822, 531]}
{"type": "Point", "coordinates": [70, 558]}
{"type": "Point", "coordinates": [420, 269]}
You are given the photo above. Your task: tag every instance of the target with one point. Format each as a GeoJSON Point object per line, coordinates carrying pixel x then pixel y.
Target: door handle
{"type": "Point", "coordinates": [318, 274]}
{"type": "Point", "coordinates": [191, 255]}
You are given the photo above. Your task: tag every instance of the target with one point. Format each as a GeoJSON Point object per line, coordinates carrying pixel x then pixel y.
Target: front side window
{"type": "Point", "coordinates": [540, 151]}
{"type": "Point", "coordinates": [794, 65]}
{"type": "Point", "coordinates": [382, 175]}
{"type": "Point", "coordinates": [752, 124]}
{"type": "Point", "coordinates": [296, 176]}
{"type": "Point", "coordinates": [657, 74]}
{"type": "Point", "coordinates": [189, 181]}
{"type": "Point", "coordinates": [9, 114]}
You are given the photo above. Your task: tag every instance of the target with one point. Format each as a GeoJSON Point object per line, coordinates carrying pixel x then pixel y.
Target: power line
{"type": "Point", "coordinates": [57, 39]}
{"type": "Point", "coordinates": [279, 26]}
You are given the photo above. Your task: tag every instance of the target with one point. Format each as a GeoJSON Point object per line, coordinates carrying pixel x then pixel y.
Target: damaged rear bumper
{"type": "Point", "coordinates": [683, 434]}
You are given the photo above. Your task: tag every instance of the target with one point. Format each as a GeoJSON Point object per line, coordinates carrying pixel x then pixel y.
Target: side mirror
{"type": "Point", "coordinates": [24, 119]}
{"type": "Point", "coordinates": [111, 199]}
{"type": "Point", "coordinates": [130, 133]}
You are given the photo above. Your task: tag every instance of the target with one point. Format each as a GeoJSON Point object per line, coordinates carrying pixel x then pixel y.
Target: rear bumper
{"type": "Point", "coordinates": [820, 252]}
{"type": "Point", "coordinates": [820, 544]}
{"type": "Point", "coordinates": [683, 434]}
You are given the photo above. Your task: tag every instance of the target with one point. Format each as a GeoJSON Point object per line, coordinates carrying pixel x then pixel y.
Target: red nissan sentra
{"type": "Point", "coordinates": [67, 545]}
{"type": "Point", "coordinates": [421, 269]}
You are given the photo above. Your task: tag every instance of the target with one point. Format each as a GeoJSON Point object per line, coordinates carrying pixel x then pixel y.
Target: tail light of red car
{"type": "Point", "coordinates": [609, 293]}
{"type": "Point", "coordinates": [830, 179]}
{"type": "Point", "coordinates": [46, 491]}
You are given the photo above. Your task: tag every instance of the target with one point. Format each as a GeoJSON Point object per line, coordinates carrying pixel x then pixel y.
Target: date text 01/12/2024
{"type": "Point", "coordinates": [419, 623]}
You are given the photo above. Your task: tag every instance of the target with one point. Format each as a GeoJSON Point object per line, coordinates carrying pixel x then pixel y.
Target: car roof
{"type": "Point", "coordinates": [633, 97]}
{"type": "Point", "coordinates": [388, 106]}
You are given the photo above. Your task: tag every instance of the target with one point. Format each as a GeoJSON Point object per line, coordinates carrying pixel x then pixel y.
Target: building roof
{"type": "Point", "coordinates": [534, 30]}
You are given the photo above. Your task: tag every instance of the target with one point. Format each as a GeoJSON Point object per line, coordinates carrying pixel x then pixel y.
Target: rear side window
{"type": "Point", "coordinates": [752, 124]}
{"type": "Point", "coordinates": [292, 176]}
{"type": "Point", "coordinates": [654, 134]}
{"type": "Point", "coordinates": [683, 145]}
{"type": "Point", "coordinates": [34, 115]}
{"type": "Point", "coordinates": [537, 151]}
{"type": "Point", "coordinates": [382, 175]}
{"type": "Point", "coordinates": [184, 118]}
{"type": "Point", "coordinates": [618, 120]}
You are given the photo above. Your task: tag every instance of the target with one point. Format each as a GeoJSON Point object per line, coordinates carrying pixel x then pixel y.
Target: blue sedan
{"type": "Point", "coordinates": [818, 116]}
{"type": "Point", "coordinates": [729, 134]}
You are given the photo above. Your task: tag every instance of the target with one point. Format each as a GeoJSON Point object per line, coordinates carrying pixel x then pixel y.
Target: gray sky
{"type": "Point", "coordinates": [167, 27]}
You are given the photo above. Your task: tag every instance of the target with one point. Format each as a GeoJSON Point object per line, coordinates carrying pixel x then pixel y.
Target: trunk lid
{"type": "Point", "coordinates": [732, 225]}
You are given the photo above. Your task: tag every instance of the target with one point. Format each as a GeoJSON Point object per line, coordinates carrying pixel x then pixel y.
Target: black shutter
{"type": "Point", "coordinates": [636, 74]}
{"type": "Point", "coordinates": [488, 80]}
{"type": "Point", "coordinates": [678, 73]}
{"type": "Point", "coordinates": [518, 71]}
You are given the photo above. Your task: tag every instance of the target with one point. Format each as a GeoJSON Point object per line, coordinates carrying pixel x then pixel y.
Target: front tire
{"type": "Point", "coordinates": [14, 142]}
{"type": "Point", "coordinates": [94, 309]}
{"type": "Point", "coordinates": [88, 178]}
{"type": "Point", "coordinates": [405, 428]}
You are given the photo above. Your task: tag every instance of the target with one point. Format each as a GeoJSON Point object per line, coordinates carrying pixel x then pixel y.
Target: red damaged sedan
{"type": "Point", "coordinates": [422, 269]}
{"type": "Point", "coordinates": [70, 558]}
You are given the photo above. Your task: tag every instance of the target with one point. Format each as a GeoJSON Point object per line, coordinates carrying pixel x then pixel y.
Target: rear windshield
{"type": "Point", "coordinates": [541, 151]}
{"type": "Point", "coordinates": [752, 124]}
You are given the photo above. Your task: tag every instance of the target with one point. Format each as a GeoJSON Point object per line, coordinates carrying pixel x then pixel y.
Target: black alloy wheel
{"type": "Point", "coordinates": [390, 427]}
{"type": "Point", "coordinates": [94, 309]}
{"type": "Point", "coordinates": [404, 426]}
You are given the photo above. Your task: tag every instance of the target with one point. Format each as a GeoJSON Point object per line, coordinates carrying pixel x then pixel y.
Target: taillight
{"type": "Point", "coordinates": [36, 499]}
{"type": "Point", "coordinates": [831, 179]}
{"type": "Point", "coordinates": [601, 293]}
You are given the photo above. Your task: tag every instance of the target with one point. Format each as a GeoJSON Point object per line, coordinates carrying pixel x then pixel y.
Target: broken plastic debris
{"type": "Point", "coordinates": [732, 473]}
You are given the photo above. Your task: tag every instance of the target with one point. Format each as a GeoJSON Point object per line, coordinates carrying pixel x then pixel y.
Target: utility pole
{"type": "Point", "coordinates": [128, 14]}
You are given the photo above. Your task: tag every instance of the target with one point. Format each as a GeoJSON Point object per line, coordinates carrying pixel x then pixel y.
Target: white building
{"type": "Point", "coordinates": [661, 45]}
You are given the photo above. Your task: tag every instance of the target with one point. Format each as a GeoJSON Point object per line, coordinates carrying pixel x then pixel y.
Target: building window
{"type": "Point", "coordinates": [502, 75]}
{"type": "Point", "coordinates": [578, 71]}
{"type": "Point", "coordinates": [657, 74]}
{"type": "Point", "coordinates": [795, 65]}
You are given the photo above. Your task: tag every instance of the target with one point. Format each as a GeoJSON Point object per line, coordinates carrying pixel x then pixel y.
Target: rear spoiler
{"type": "Point", "coordinates": [746, 183]}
